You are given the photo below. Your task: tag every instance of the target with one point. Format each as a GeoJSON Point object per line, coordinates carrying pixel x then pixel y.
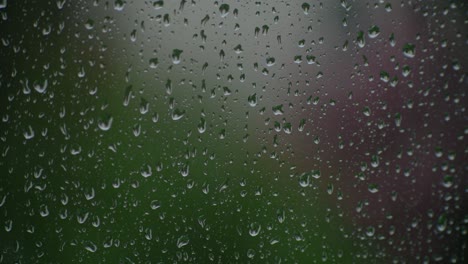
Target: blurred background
{"type": "Point", "coordinates": [229, 132]}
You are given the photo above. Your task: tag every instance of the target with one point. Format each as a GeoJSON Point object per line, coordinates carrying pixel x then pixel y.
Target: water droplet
{"type": "Point", "coordinates": [60, 3]}
{"type": "Point", "coordinates": [270, 61]}
{"type": "Point", "coordinates": [278, 110]}
{"type": "Point", "coordinates": [447, 182]}
{"type": "Point", "coordinates": [252, 99]}
{"type": "Point", "coordinates": [301, 125]}
{"type": "Point", "coordinates": [366, 111]}
{"type": "Point", "coordinates": [29, 133]}
{"type": "Point", "coordinates": [456, 65]}
{"type": "Point", "coordinates": [119, 5]}
{"type": "Point", "coordinates": [127, 95]}
{"type": "Point", "coordinates": [133, 35]}
{"type": "Point", "coordinates": [166, 20]}
{"type": "Point", "coordinates": [392, 40]}
{"type": "Point", "coordinates": [310, 59]}
{"type": "Point", "coordinates": [274, 241]}
{"type": "Point", "coordinates": [81, 73]}
{"type": "Point", "coordinates": [305, 8]}
{"type": "Point", "coordinates": [91, 247]}
{"type": "Point", "coordinates": [406, 70]}
{"type": "Point", "coordinates": [254, 229]}
{"type": "Point", "coordinates": [182, 241]}
{"type": "Point", "coordinates": [384, 76]}
{"type": "Point", "coordinates": [375, 161]}
{"type": "Point", "coordinates": [204, 20]}
{"type": "Point", "coordinates": [304, 180]}
{"type": "Point", "coordinates": [176, 55]}
{"type": "Point", "coordinates": [370, 231]}
{"type": "Point", "coordinates": [44, 210]}
{"type": "Point", "coordinates": [297, 59]}
{"type": "Point", "coordinates": [136, 130]}
{"type": "Point", "coordinates": [158, 4]}
{"type": "Point", "coordinates": [75, 149]}
{"type": "Point", "coordinates": [250, 253]}
{"type": "Point", "coordinates": [202, 126]}
{"type": "Point", "coordinates": [155, 204]}
{"type": "Point", "coordinates": [185, 170]}
{"type": "Point", "coordinates": [153, 63]}
{"type": "Point", "coordinates": [224, 9]}
{"type": "Point", "coordinates": [144, 106]}
{"type": "Point", "coordinates": [373, 188]}
{"type": "Point", "coordinates": [146, 170]}
{"type": "Point", "coordinates": [301, 43]}
{"type": "Point", "coordinates": [388, 7]}
{"type": "Point", "coordinates": [316, 174]}
{"type": "Point", "coordinates": [177, 114]}
{"type": "Point", "coordinates": [442, 223]}
{"type": "Point", "coordinates": [374, 32]}
{"type": "Point", "coordinates": [409, 50]}
{"type": "Point", "coordinates": [40, 88]}
{"type": "Point", "coordinates": [89, 24]}
{"type": "Point", "coordinates": [238, 49]}
{"type": "Point", "coordinates": [287, 128]}
{"type": "Point", "coordinates": [281, 215]}
{"type": "Point", "coordinates": [397, 119]}
{"type": "Point", "coordinates": [105, 123]}
{"type": "Point", "coordinates": [360, 39]}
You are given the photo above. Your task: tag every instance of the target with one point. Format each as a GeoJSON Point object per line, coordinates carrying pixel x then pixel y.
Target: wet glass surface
{"type": "Point", "coordinates": [233, 131]}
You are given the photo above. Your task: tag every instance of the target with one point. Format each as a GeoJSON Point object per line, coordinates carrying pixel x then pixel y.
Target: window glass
{"type": "Point", "coordinates": [233, 131]}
